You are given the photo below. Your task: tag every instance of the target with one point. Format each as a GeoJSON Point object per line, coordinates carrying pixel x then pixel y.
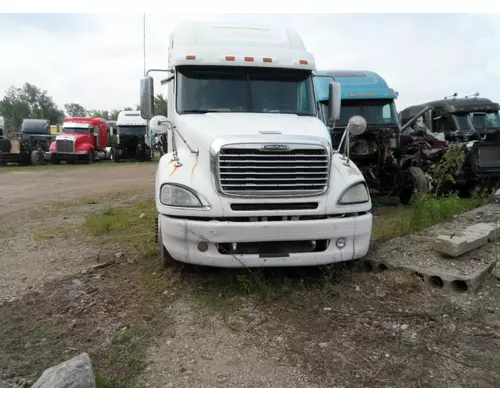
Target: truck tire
{"type": "Point", "coordinates": [54, 160]}
{"type": "Point", "coordinates": [166, 260]}
{"type": "Point", "coordinates": [418, 182]}
{"type": "Point", "coordinates": [36, 158]}
{"type": "Point", "coordinates": [90, 157]}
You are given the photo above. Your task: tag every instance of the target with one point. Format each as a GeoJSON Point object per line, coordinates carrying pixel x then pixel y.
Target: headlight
{"type": "Point", "coordinates": [356, 194]}
{"type": "Point", "coordinates": [179, 196]}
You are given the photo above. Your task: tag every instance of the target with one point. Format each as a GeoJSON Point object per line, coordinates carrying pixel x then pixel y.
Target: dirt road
{"type": "Point", "coordinates": [21, 189]}
{"type": "Point", "coordinates": [36, 204]}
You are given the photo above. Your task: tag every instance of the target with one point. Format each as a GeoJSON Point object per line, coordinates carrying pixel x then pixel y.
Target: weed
{"type": "Point", "coordinates": [124, 226]}
{"type": "Point", "coordinates": [424, 210]}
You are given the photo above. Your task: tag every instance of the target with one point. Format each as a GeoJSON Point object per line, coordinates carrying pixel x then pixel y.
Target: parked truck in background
{"type": "Point", "coordinates": [380, 155]}
{"type": "Point", "coordinates": [29, 146]}
{"type": "Point", "coordinates": [250, 177]}
{"type": "Point", "coordinates": [82, 139]}
{"type": "Point", "coordinates": [3, 131]}
{"type": "Point", "coordinates": [472, 123]}
{"type": "Point", "coordinates": [132, 138]}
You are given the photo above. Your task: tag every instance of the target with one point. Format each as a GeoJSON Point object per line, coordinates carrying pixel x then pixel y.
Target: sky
{"type": "Point", "coordinates": [96, 60]}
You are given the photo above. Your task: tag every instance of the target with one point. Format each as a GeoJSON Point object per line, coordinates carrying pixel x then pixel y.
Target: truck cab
{"type": "Point", "coordinates": [378, 152]}
{"type": "Point", "coordinates": [472, 123]}
{"type": "Point", "coordinates": [28, 147]}
{"type": "Point", "coordinates": [249, 177]}
{"type": "Point", "coordinates": [132, 138]}
{"type": "Point", "coordinates": [82, 139]}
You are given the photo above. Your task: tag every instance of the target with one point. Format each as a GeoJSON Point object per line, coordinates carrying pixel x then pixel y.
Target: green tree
{"type": "Point", "coordinates": [161, 105]}
{"type": "Point", "coordinates": [100, 114]}
{"type": "Point", "coordinates": [114, 115]}
{"type": "Point", "coordinates": [75, 110]}
{"type": "Point", "coordinates": [28, 102]}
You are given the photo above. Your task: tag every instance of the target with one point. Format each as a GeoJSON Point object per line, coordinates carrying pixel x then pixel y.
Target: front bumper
{"type": "Point", "coordinates": [68, 156]}
{"type": "Point", "coordinates": [181, 238]}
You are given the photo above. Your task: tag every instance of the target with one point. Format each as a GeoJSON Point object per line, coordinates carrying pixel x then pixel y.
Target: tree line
{"type": "Point", "coordinates": [29, 101]}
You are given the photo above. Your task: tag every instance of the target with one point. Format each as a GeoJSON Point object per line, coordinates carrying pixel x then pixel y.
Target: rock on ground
{"type": "Point", "coordinates": [74, 373]}
{"type": "Point", "coordinates": [2, 384]}
{"type": "Point", "coordinates": [496, 271]}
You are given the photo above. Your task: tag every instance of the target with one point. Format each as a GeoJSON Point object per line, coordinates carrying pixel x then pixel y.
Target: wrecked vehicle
{"type": "Point", "coordinates": [472, 123]}
{"type": "Point", "coordinates": [389, 167]}
{"type": "Point", "coordinates": [29, 146]}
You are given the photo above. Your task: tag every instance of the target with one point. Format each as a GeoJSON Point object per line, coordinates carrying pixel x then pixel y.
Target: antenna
{"type": "Point", "coordinates": [474, 94]}
{"type": "Point", "coordinates": [144, 39]}
{"type": "Point", "coordinates": [453, 95]}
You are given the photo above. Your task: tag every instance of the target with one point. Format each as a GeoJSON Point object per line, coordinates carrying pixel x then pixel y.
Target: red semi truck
{"type": "Point", "coordinates": [82, 139]}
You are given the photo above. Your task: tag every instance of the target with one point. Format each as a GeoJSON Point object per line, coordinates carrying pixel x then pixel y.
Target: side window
{"type": "Point", "coordinates": [386, 111]}
{"type": "Point", "coordinates": [303, 100]}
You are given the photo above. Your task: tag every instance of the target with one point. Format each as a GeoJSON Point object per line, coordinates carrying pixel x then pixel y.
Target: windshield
{"type": "Point", "coordinates": [493, 119]}
{"type": "Point", "coordinates": [463, 122]}
{"type": "Point", "coordinates": [241, 89]}
{"type": "Point", "coordinates": [375, 111]}
{"type": "Point", "coordinates": [75, 130]}
{"type": "Point", "coordinates": [132, 130]}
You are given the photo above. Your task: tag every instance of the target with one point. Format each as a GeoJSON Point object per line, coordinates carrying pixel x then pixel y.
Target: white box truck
{"type": "Point", "coordinates": [249, 177]}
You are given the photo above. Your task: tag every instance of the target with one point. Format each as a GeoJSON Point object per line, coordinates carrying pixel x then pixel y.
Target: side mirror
{"type": "Point", "coordinates": [334, 92]}
{"type": "Point", "coordinates": [147, 97]}
{"type": "Point", "coordinates": [159, 125]}
{"type": "Point", "coordinates": [356, 125]}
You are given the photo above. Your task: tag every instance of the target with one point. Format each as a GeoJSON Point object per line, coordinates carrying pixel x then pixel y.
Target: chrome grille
{"type": "Point", "coordinates": [489, 156]}
{"type": "Point", "coordinates": [254, 171]}
{"type": "Point", "coordinates": [65, 146]}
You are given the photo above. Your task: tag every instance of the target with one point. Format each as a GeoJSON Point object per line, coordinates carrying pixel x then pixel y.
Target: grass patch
{"type": "Point", "coordinates": [124, 225]}
{"type": "Point", "coordinates": [423, 212]}
{"type": "Point", "coordinates": [46, 234]}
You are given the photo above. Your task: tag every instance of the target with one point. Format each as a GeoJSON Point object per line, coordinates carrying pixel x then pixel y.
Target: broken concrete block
{"type": "Point", "coordinates": [74, 373]}
{"type": "Point", "coordinates": [486, 229]}
{"type": "Point", "coordinates": [458, 245]}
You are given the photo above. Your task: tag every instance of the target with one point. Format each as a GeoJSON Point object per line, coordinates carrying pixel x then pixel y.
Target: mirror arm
{"type": "Point", "coordinates": [194, 151]}
{"type": "Point", "coordinates": [348, 145]}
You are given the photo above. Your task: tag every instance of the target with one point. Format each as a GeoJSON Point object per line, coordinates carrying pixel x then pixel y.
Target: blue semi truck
{"type": "Point", "coordinates": [387, 165]}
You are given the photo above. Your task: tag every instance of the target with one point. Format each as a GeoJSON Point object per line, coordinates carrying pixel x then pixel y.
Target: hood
{"type": "Point", "coordinates": [76, 137]}
{"type": "Point", "coordinates": [200, 130]}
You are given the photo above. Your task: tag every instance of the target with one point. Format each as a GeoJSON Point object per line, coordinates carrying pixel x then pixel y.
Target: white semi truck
{"type": "Point", "coordinates": [132, 138]}
{"type": "Point", "coordinates": [249, 177]}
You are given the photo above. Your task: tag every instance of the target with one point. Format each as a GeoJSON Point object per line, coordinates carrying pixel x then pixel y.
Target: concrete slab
{"type": "Point", "coordinates": [454, 246]}
{"type": "Point", "coordinates": [415, 253]}
{"type": "Point", "coordinates": [492, 230]}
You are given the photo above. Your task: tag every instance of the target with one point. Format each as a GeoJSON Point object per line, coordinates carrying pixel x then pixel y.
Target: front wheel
{"type": "Point", "coordinates": [416, 181]}
{"type": "Point", "coordinates": [90, 157]}
{"type": "Point", "coordinates": [36, 158]}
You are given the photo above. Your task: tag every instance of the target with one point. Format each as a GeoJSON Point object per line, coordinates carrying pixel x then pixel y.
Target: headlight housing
{"type": "Point", "coordinates": [175, 195]}
{"type": "Point", "coordinates": [355, 194]}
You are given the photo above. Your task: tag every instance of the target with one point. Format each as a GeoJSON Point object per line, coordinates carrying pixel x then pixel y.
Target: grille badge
{"type": "Point", "coordinates": [276, 147]}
